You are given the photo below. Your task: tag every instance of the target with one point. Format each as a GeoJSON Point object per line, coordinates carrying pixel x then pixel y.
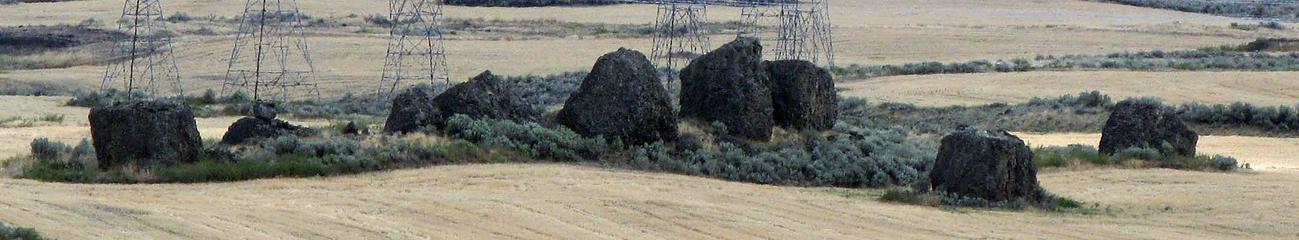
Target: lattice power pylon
{"type": "Point", "coordinates": [792, 30]}
{"type": "Point", "coordinates": [270, 57]}
{"type": "Point", "coordinates": [416, 52]}
{"type": "Point", "coordinates": [680, 35]}
{"type": "Point", "coordinates": [142, 60]}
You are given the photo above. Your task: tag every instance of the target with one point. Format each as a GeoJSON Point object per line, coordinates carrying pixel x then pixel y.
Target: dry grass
{"type": "Point", "coordinates": [560, 201]}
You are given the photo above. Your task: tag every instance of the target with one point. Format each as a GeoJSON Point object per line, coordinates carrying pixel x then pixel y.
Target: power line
{"type": "Point", "coordinates": [147, 51]}
{"type": "Point", "coordinates": [280, 66]}
{"type": "Point", "coordinates": [416, 52]}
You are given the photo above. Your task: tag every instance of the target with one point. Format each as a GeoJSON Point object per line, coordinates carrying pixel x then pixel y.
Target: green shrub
{"type": "Point", "coordinates": [1224, 163]}
{"type": "Point", "coordinates": [854, 157]}
{"type": "Point", "coordinates": [17, 233]}
{"type": "Point", "coordinates": [1139, 153]}
{"type": "Point", "coordinates": [43, 148]}
{"type": "Point", "coordinates": [529, 138]}
{"type": "Point", "coordinates": [1069, 155]}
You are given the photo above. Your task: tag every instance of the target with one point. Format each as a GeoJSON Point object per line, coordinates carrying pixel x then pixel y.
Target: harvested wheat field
{"type": "Point", "coordinates": [1261, 88]}
{"type": "Point", "coordinates": [565, 202]}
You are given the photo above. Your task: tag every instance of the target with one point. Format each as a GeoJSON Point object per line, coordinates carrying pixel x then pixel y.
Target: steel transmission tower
{"type": "Point", "coordinates": [793, 30]}
{"type": "Point", "coordinates": [147, 52]}
{"type": "Point", "coordinates": [270, 56]}
{"type": "Point", "coordinates": [415, 51]}
{"type": "Point", "coordinates": [680, 35]}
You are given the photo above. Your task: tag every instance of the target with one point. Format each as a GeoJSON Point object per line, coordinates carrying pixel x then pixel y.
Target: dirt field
{"type": "Point", "coordinates": [566, 202]}
{"type": "Point", "coordinates": [1262, 88]}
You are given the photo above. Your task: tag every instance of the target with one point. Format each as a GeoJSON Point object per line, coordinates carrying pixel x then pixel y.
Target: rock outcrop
{"type": "Point", "coordinates": [144, 134]}
{"type": "Point", "coordinates": [730, 85]}
{"type": "Point", "coordinates": [483, 97]}
{"type": "Point", "coordinates": [803, 95]}
{"type": "Point", "coordinates": [411, 110]}
{"type": "Point", "coordinates": [991, 165]}
{"type": "Point", "coordinates": [1145, 123]}
{"type": "Point", "coordinates": [621, 98]}
{"type": "Point", "coordinates": [247, 129]}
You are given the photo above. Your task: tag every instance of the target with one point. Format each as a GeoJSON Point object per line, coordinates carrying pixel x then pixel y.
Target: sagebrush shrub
{"type": "Point", "coordinates": [529, 138]}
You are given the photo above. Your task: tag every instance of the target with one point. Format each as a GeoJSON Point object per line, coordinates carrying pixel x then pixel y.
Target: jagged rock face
{"type": "Point", "coordinates": [992, 165]}
{"type": "Point", "coordinates": [484, 97]}
{"type": "Point", "coordinates": [247, 129]}
{"type": "Point", "coordinates": [803, 95]}
{"type": "Point", "coordinates": [621, 98]}
{"type": "Point", "coordinates": [731, 86]}
{"type": "Point", "coordinates": [144, 134]}
{"type": "Point", "coordinates": [1147, 124]}
{"type": "Point", "coordinates": [411, 110]}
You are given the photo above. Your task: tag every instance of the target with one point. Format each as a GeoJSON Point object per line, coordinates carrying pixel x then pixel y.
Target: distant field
{"type": "Point", "coordinates": [1261, 88]}
{"type": "Point", "coordinates": [867, 32]}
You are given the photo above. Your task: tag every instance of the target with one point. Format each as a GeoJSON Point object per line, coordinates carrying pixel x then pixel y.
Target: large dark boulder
{"type": "Point", "coordinates": [803, 95]}
{"type": "Point", "coordinates": [484, 97]}
{"type": "Point", "coordinates": [1146, 123]}
{"type": "Point", "coordinates": [247, 129]}
{"type": "Point", "coordinates": [991, 165]}
{"type": "Point", "coordinates": [730, 85]}
{"type": "Point", "coordinates": [621, 98]}
{"type": "Point", "coordinates": [144, 134]}
{"type": "Point", "coordinates": [411, 110]}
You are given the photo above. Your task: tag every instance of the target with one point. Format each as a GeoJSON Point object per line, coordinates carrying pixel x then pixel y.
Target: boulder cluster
{"type": "Point", "coordinates": [732, 85]}
{"type": "Point", "coordinates": [997, 166]}
{"type": "Point", "coordinates": [622, 98]}
{"type": "Point", "coordinates": [484, 96]}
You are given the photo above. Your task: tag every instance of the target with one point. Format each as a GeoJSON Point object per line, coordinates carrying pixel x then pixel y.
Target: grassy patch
{"type": "Point", "coordinates": [20, 122]}
{"type": "Point", "coordinates": [1051, 203]}
{"type": "Point", "coordinates": [1082, 155]}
